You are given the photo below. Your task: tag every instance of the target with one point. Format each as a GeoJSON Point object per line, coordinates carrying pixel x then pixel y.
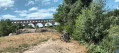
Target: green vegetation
{"type": "Point", "coordinates": [37, 27]}
{"type": "Point", "coordinates": [30, 26]}
{"type": "Point", "coordinates": [48, 25]}
{"type": "Point", "coordinates": [68, 12]}
{"type": "Point", "coordinates": [115, 13]}
{"type": "Point", "coordinates": [90, 24]}
{"type": "Point", "coordinates": [7, 27]}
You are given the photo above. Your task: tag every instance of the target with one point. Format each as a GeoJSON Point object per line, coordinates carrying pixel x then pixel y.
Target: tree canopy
{"type": "Point", "coordinates": [67, 13]}
{"type": "Point", "coordinates": [7, 27]}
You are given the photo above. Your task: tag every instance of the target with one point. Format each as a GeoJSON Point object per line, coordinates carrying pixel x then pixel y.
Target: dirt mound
{"type": "Point", "coordinates": [57, 46]}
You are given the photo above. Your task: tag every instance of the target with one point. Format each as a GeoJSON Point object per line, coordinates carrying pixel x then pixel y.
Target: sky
{"type": "Point", "coordinates": [28, 9]}
{"type": "Point", "coordinates": [112, 4]}
{"type": "Point", "coordinates": [35, 9]}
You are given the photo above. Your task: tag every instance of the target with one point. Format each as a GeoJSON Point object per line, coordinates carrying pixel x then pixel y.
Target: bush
{"type": "Point", "coordinates": [114, 32]}
{"type": "Point", "coordinates": [92, 25]}
{"type": "Point", "coordinates": [7, 27]}
{"type": "Point", "coordinates": [106, 46]}
{"type": "Point", "coordinates": [30, 26]}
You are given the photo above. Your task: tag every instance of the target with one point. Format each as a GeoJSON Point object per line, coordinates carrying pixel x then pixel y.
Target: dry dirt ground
{"type": "Point", "coordinates": [55, 45]}
{"type": "Point", "coordinates": [46, 42]}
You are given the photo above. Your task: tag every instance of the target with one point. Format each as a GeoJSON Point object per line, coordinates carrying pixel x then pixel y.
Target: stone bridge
{"type": "Point", "coordinates": [35, 22]}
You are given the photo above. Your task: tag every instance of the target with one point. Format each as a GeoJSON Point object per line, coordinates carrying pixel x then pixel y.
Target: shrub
{"type": "Point", "coordinates": [106, 46]}
{"type": "Point", "coordinates": [92, 25]}
{"type": "Point", "coordinates": [7, 27]}
{"type": "Point", "coordinates": [30, 26]}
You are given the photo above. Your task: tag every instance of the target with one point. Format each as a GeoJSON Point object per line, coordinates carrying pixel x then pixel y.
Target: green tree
{"type": "Point", "coordinates": [7, 27]}
{"type": "Point", "coordinates": [48, 25]}
{"type": "Point", "coordinates": [92, 25]}
{"type": "Point", "coordinates": [67, 12]}
{"type": "Point", "coordinates": [17, 26]}
{"type": "Point", "coordinates": [37, 27]}
{"type": "Point", "coordinates": [30, 26]}
{"type": "Point", "coordinates": [3, 28]}
{"type": "Point", "coordinates": [115, 13]}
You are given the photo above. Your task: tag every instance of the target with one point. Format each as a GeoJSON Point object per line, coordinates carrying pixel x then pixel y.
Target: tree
{"type": "Point", "coordinates": [3, 28]}
{"type": "Point", "coordinates": [17, 26]}
{"type": "Point", "coordinates": [92, 25]}
{"type": "Point", "coordinates": [30, 26]}
{"type": "Point", "coordinates": [37, 27]}
{"type": "Point", "coordinates": [48, 25]}
{"type": "Point", "coordinates": [7, 27]}
{"type": "Point", "coordinates": [115, 13]}
{"type": "Point", "coordinates": [67, 13]}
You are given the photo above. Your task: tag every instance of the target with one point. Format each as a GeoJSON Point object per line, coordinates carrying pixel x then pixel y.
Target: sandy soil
{"type": "Point", "coordinates": [57, 46]}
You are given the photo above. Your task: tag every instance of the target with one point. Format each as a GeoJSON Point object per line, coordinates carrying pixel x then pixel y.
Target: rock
{"type": "Point", "coordinates": [10, 34]}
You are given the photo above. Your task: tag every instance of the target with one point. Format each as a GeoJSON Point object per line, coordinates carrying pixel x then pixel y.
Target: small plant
{"type": "Point", "coordinates": [54, 39]}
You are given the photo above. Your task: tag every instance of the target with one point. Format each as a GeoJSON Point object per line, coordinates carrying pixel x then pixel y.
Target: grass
{"type": "Point", "coordinates": [22, 42]}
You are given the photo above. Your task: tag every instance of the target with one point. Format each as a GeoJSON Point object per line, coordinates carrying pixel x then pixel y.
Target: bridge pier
{"type": "Point", "coordinates": [43, 24]}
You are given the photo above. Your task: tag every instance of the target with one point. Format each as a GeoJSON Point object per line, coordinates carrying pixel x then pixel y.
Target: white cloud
{"type": "Point", "coordinates": [29, 3]}
{"type": "Point", "coordinates": [116, 0]}
{"type": "Point", "coordinates": [46, 2]}
{"type": "Point", "coordinates": [55, 0]}
{"type": "Point", "coordinates": [47, 10]}
{"type": "Point", "coordinates": [40, 14]}
{"type": "Point", "coordinates": [36, 0]}
{"type": "Point", "coordinates": [8, 16]}
{"type": "Point", "coordinates": [22, 11]}
{"type": "Point", "coordinates": [118, 7]}
{"type": "Point", "coordinates": [33, 9]}
{"type": "Point", "coordinates": [6, 3]}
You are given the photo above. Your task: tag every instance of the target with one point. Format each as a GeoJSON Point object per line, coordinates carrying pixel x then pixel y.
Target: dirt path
{"type": "Point", "coordinates": [57, 46]}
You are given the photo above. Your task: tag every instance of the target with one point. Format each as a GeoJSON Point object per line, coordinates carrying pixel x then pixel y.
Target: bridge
{"type": "Point", "coordinates": [35, 22]}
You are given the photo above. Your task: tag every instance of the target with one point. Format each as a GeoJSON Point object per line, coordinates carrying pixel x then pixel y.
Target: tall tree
{"type": "Point", "coordinates": [7, 27]}
{"type": "Point", "coordinates": [115, 13]}
{"type": "Point", "coordinates": [92, 25]}
{"type": "Point", "coordinates": [67, 13]}
{"type": "Point", "coordinates": [3, 28]}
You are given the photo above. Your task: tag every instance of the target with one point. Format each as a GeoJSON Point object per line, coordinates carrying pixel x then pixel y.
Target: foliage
{"type": "Point", "coordinates": [114, 32]}
{"type": "Point", "coordinates": [30, 26]}
{"type": "Point", "coordinates": [59, 28]}
{"type": "Point", "coordinates": [106, 46]}
{"type": "Point", "coordinates": [37, 27]}
{"type": "Point", "coordinates": [109, 44]}
{"type": "Point", "coordinates": [92, 25]}
{"type": "Point", "coordinates": [67, 13]}
{"type": "Point", "coordinates": [17, 26]}
{"type": "Point", "coordinates": [48, 25]}
{"type": "Point", "coordinates": [87, 24]}
{"type": "Point", "coordinates": [115, 20]}
{"type": "Point", "coordinates": [115, 13]}
{"type": "Point", "coordinates": [7, 27]}
{"type": "Point", "coordinates": [3, 28]}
